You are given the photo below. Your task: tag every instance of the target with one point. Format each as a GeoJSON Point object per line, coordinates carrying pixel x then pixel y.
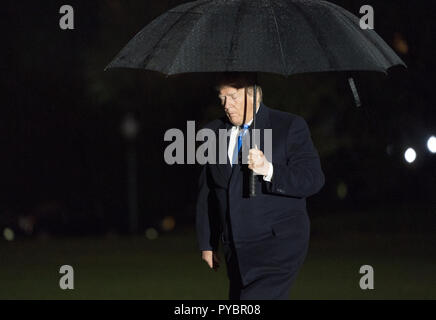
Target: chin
{"type": "Point", "coordinates": [234, 122]}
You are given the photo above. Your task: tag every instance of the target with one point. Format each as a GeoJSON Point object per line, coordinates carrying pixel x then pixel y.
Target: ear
{"type": "Point", "coordinates": [249, 91]}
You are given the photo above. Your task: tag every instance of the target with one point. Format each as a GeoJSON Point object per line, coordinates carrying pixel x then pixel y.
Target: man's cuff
{"type": "Point", "coordinates": [268, 177]}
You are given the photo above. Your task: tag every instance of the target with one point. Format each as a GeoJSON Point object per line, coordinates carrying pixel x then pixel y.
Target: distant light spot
{"type": "Point", "coordinates": [342, 190]}
{"type": "Point", "coordinates": [400, 44]}
{"type": "Point", "coordinates": [410, 155]}
{"type": "Point", "coordinates": [151, 234]}
{"type": "Point", "coordinates": [390, 149]}
{"type": "Point", "coordinates": [9, 234]}
{"type": "Point", "coordinates": [168, 223]}
{"type": "Point", "coordinates": [431, 144]}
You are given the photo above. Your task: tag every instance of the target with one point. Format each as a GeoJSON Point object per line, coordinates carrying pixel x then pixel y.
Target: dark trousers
{"type": "Point", "coordinates": [272, 286]}
{"type": "Point", "coordinates": [271, 263]}
{"type": "Point", "coordinates": [233, 273]}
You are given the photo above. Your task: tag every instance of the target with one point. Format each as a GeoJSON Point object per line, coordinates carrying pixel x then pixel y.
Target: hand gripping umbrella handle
{"type": "Point", "coordinates": [251, 176]}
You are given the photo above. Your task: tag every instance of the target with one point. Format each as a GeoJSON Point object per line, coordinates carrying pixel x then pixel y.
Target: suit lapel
{"type": "Point", "coordinates": [224, 169]}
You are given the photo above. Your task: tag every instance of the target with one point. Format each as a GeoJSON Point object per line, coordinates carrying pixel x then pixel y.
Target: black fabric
{"type": "Point", "coordinates": [277, 36]}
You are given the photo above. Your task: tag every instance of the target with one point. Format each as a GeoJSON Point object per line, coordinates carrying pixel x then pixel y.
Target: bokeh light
{"type": "Point", "coordinates": [400, 44]}
{"type": "Point", "coordinates": [431, 144]}
{"type": "Point", "coordinates": [151, 234]}
{"type": "Point", "coordinates": [9, 234]}
{"type": "Point", "coordinates": [168, 223]}
{"type": "Point", "coordinates": [342, 190]}
{"type": "Point", "coordinates": [410, 155]}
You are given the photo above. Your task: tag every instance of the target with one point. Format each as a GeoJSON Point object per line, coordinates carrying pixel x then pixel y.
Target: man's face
{"type": "Point", "coordinates": [235, 105]}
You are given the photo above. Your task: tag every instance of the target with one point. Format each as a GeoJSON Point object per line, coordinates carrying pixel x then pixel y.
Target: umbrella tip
{"type": "Point", "coordinates": [108, 66]}
{"type": "Point", "coordinates": [355, 93]}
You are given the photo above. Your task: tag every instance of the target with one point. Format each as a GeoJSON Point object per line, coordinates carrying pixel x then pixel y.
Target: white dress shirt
{"type": "Point", "coordinates": [232, 144]}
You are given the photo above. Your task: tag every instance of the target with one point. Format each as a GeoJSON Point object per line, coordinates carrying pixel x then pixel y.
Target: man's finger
{"type": "Point", "coordinates": [256, 153]}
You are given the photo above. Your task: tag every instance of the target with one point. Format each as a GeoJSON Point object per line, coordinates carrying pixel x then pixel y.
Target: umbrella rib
{"type": "Point", "coordinates": [321, 43]}
{"type": "Point", "coordinates": [149, 56]}
{"type": "Point", "coordinates": [169, 71]}
{"type": "Point", "coordinates": [278, 35]}
{"type": "Point", "coordinates": [232, 42]}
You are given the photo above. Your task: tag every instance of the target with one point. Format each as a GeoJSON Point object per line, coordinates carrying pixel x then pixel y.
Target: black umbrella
{"type": "Point", "coordinates": [274, 36]}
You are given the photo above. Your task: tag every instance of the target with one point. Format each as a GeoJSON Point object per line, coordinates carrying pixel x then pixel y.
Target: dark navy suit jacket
{"type": "Point", "coordinates": [222, 195]}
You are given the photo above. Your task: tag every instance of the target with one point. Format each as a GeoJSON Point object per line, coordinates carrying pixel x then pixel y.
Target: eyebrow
{"type": "Point", "coordinates": [221, 95]}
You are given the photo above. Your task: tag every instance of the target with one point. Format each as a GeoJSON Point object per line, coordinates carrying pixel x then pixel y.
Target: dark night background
{"type": "Point", "coordinates": [64, 170]}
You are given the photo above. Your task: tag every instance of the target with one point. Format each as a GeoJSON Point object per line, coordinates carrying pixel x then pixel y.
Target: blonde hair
{"type": "Point", "coordinates": [239, 80]}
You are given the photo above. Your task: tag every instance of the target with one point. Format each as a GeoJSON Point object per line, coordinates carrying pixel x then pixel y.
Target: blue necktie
{"type": "Point", "coordinates": [239, 145]}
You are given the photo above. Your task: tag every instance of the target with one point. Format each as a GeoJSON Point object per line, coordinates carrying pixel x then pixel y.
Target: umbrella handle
{"type": "Point", "coordinates": [251, 176]}
{"type": "Point", "coordinates": [252, 184]}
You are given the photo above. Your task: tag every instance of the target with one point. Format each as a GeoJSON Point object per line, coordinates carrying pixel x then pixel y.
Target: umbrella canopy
{"type": "Point", "coordinates": [275, 36]}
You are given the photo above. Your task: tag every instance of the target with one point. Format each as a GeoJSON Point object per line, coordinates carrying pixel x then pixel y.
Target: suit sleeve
{"type": "Point", "coordinates": [302, 175]}
{"type": "Point", "coordinates": [206, 224]}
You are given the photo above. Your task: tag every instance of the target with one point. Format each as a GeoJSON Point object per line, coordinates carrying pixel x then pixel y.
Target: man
{"type": "Point", "coordinates": [264, 238]}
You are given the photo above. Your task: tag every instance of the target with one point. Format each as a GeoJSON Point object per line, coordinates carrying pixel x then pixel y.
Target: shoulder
{"type": "Point", "coordinates": [285, 119]}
